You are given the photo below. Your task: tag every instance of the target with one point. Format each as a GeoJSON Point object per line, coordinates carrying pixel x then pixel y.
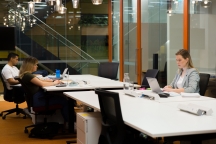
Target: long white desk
{"type": "Point", "coordinates": [154, 118]}
{"type": "Point", "coordinates": [92, 83]}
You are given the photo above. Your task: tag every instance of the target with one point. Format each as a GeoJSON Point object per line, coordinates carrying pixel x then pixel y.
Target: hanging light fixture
{"type": "Point", "coordinates": [75, 3]}
{"type": "Point", "coordinates": [97, 2]}
{"type": "Point", "coordinates": [62, 9]}
{"type": "Point", "coordinates": [31, 8]}
{"type": "Point", "coordinates": [57, 5]}
{"type": "Point", "coordinates": [206, 3]}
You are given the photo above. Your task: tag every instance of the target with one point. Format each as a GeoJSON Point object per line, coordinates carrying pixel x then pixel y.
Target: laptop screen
{"type": "Point", "coordinates": [154, 85]}
{"type": "Point", "coordinates": [64, 72]}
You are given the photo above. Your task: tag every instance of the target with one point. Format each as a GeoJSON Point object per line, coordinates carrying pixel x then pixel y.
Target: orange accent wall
{"type": "Point", "coordinates": [139, 49]}
{"type": "Point", "coordinates": [186, 25]}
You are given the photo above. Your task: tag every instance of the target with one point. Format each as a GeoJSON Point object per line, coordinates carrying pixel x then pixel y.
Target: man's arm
{"type": "Point", "coordinates": [12, 81]}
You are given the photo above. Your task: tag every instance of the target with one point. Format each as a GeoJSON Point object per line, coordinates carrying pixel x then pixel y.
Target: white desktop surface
{"type": "Point", "coordinates": [92, 83]}
{"type": "Point", "coordinates": [176, 98]}
{"type": "Point", "coordinates": [156, 119]}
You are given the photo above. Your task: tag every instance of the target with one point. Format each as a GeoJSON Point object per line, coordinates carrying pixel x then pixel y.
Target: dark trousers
{"type": "Point", "coordinates": [39, 99]}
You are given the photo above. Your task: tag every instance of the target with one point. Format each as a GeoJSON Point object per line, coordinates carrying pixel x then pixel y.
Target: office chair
{"type": "Point", "coordinates": [15, 95]}
{"type": "Point", "coordinates": [203, 83]}
{"type": "Point", "coordinates": [42, 110]}
{"type": "Point", "coordinates": [150, 73]}
{"type": "Point", "coordinates": [114, 131]}
{"type": "Point", "coordinates": [108, 70]}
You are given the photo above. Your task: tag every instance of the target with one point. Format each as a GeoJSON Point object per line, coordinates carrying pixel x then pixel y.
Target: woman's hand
{"type": "Point", "coordinates": [168, 86]}
{"type": "Point", "coordinates": [56, 82]}
{"type": "Point", "coordinates": [167, 89]}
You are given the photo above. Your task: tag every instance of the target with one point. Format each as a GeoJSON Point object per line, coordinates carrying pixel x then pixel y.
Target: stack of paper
{"type": "Point", "coordinates": [194, 95]}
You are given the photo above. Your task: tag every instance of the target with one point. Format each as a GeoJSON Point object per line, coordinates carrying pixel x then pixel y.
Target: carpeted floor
{"type": "Point", "coordinates": [12, 129]}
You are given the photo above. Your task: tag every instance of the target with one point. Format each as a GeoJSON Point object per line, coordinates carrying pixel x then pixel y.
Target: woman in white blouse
{"type": "Point", "coordinates": [187, 77]}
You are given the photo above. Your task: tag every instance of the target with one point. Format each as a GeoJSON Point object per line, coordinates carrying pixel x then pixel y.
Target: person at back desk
{"type": "Point", "coordinates": [10, 71]}
{"type": "Point", "coordinates": [187, 77]}
{"type": "Point", "coordinates": [34, 86]}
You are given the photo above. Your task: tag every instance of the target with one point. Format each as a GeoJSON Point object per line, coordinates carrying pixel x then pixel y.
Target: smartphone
{"type": "Point", "coordinates": [61, 85]}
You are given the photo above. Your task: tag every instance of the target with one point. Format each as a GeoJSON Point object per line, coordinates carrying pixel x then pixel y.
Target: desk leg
{"type": "Point", "coordinates": [72, 115]}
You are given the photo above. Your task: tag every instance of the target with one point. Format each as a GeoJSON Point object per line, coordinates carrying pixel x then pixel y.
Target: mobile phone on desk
{"type": "Point", "coordinates": [61, 85]}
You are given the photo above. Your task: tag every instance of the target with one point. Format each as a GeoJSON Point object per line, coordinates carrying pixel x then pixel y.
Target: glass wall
{"type": "Point", "coordinates": [77, 39]}
{"type": "Point", "coordinates": [130, 37]}
{"type": "Point", "coordinates": [161, 36]}
{"type": "Point", "coordinates": [202, 39]}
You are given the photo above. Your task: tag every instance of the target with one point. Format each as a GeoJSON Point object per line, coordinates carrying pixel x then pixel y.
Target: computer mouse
{"type": "Point", "coordinates": [164, 95]}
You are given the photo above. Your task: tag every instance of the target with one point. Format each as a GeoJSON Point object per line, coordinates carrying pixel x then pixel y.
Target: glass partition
{"type": "Point", "coordinates": [161, 36]}
{"type": "Point", "coordinates": [130, 37]}
{"type": "Point", "coordinates": [77, 39]}
{"type": "Point", "coordinates": [202, 39]}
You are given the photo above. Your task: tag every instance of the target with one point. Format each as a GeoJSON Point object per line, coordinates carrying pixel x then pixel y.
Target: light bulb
{"type": "Point", "coordinates": [205, 2]}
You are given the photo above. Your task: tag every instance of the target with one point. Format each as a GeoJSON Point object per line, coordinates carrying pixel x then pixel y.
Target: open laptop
{"type": "Point", "coordinates": [153, 83]}
{"type": "Point", "coordinates": [61, 77]}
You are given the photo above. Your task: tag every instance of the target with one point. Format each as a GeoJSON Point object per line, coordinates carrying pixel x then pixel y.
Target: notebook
{"type": "Point", "coordinates": [61, 77]}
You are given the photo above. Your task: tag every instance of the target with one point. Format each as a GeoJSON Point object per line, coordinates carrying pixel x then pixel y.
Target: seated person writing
{"type": "Point", "coordinates": [187, 77]}
{"type": "Point", "coordinates": [34, 86]}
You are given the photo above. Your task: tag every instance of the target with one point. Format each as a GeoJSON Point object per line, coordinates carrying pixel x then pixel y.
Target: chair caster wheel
{"type": "Point", "coordinates": [4, 117]}
{"type": "Point", "coordinates": [1, 114]}
{"type": "Point", "coordinates": [25, 131]}
{"type": "Point", "coordinates": [24, 117]}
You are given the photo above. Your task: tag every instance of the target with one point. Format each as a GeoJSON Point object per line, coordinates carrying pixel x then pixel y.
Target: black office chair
{"type": "Point", "coordinates": [15, 95]}
{"type": "Point", "coordinates": [114, 131]}
{"type": "Point", "coordinates": [150, 73]}
{"type": "Point", "coordinates": [203, 83]}
{"type": "Point", "coordinates": [108, 70]}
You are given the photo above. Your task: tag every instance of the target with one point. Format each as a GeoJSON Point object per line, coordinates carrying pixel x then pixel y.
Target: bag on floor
{"type": "Point", "coordinates": [46, 130]}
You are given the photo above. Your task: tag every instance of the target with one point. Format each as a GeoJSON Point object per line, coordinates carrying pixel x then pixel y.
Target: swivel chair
{"type": "Point", "coordinates": [150, 73]}
{"type": "Point", "coordinates": [42, 110]}
{"type": "Point", "coordinates": [203, 83]}
{"type": "Point", "coordinates": [15, 95]}
{"type": "Point", "coordinates": [114, 131]}
{"type": "Point", "coordinates": [108, 70]}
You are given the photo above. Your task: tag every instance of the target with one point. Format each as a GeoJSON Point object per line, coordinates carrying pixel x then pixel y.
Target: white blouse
{"type": "Point", "coordinates": [179, 83]}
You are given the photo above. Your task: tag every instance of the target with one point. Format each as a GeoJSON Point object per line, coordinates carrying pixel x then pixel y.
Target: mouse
{"type": "Point", "coordinates": [164, 95]}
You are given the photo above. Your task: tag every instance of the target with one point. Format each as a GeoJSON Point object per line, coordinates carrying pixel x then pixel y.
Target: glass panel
{"type": "Point", "coordinates": [202, 39]}
{"type": "Point", "coordinates": [162, 36]}
{"type": "Point", "coordinates": [174, 36]}
{"type": "Point", "coordinates": [130, 37]}
{"type": "Point", "coordinates": [77, 39]}
{"type": "Point", "coordinates": [115, 30]}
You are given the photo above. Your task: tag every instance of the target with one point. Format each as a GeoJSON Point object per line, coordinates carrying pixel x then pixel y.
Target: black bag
{"type": "Point", "coordinates": [46, 130]}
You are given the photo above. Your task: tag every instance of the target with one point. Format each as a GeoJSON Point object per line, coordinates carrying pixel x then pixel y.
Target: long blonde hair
{"type": "Point", "coordinates": [185, 54]}
{"type": "Point", "coordinates": [27, 66]}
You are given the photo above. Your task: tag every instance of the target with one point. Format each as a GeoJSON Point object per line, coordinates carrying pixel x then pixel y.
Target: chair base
{"type": "Point", "coordinates": [15, 110]}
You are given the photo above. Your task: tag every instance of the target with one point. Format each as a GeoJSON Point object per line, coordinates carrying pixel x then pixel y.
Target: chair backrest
{"type": "Point", "coordinates": [29, 99]}
{"type": "Point", "coordinates": [27, 96]}
{"type": "Point", "coordinates": [150, 73]}
{"type": "Point", "coordinates": [110, 108]}
{"type": "Point", "coordinates": [108, 70]}
{"type": "Point", "coordinates": [203, 83]}
{"type": "Point", "coordinates": [8, 94]}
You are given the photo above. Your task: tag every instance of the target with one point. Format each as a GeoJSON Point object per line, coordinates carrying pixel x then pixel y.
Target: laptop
{"type": "Point", "coordinates": [53, 77]}
{"type": "Point", "coordinates": [153, 83]}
